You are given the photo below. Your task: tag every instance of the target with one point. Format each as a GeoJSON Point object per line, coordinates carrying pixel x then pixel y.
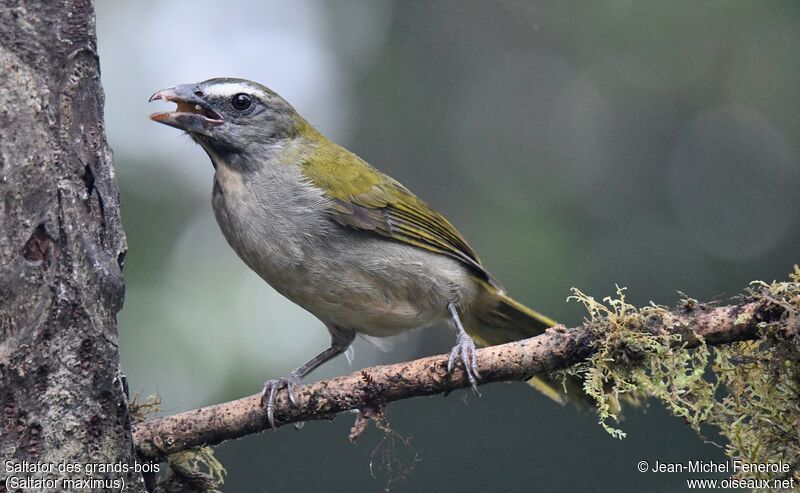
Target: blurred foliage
{"type": "Point", "coordinates": [648, 144]}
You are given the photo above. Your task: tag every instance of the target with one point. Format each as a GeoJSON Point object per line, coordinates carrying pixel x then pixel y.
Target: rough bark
{"type": "Point", "coordinates": [370, 389]}
{"type": "Point", "coordinates": [61, 248]}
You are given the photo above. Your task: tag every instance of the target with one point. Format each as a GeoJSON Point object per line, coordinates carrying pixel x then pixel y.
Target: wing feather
{"type": "Point", "coordinates": [366, 199]}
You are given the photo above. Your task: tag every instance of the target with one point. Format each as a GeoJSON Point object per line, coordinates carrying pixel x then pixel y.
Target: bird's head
{"type": "Point", "coordinates": [231, 116]}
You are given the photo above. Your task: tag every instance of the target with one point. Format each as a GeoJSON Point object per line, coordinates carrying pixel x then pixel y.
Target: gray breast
{"type": "Point", "coordinates": [271, 218]}
{"type": "Point", "coordinates": [279, 225]}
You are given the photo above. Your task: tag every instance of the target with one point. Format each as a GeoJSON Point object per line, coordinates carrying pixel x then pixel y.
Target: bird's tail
{"type": "Point", "coordinates": [497, 319]}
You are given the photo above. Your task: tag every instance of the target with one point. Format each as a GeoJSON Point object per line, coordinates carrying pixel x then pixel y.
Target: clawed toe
{"type": "Point", "coordinates": [465, 351]}
{"type": "Point", "coordinates": [270, 390]}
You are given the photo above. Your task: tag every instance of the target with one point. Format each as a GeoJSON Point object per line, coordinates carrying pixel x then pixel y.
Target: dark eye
{"type": "Point", "coordinates": [241, 101]}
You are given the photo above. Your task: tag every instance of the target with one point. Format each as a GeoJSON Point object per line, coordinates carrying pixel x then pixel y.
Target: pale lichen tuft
{"type": "Point", "coordinates": [749, 391]}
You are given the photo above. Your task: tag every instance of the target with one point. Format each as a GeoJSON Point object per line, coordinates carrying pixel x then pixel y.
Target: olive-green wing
{"type": "Point", "coordinates": [366, 199]}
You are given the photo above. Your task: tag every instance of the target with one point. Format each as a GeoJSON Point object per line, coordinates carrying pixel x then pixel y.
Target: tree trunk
{"type": "Point", "coordinates": [61, 252]}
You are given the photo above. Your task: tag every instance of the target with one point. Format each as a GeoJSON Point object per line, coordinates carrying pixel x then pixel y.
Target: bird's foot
{"type": "Point", "coordinates": [270, 390]}
{"type": "Point", "coordinates": [465, 351]}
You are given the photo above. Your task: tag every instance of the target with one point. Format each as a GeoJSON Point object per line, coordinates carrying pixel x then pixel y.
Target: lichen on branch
{"type": "Point", "coordinates": [749, 390]}
{"type": "Point", "coordinates": [194, 469]}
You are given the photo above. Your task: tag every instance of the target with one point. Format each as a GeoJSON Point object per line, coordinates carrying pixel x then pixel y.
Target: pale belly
{"type": "Point", "coordinates": [373, 286]}
{"type": "Point", "coordinates": [376, 288]}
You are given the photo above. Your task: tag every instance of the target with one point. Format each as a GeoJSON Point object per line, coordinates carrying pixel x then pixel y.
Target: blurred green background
{"type": "Point", "coordinates": [649, 144]}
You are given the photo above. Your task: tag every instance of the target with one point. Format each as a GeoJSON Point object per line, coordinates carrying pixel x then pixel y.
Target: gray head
{"type": "Point", "coordinates": [230, 116]}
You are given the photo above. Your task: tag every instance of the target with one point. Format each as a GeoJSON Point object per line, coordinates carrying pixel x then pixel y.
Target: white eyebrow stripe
{"type": "Point", "coordinates": [228, 89]}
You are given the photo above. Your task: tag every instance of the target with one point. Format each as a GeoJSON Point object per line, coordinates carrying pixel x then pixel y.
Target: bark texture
{"type": "Point", "coordinates": [61, 246]}
{"type": "Point", "coordinates": [370, 389]}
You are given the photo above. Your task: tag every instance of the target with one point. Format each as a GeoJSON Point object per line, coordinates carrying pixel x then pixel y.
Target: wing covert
{"type": "Point", "coordinates": [366, 199]}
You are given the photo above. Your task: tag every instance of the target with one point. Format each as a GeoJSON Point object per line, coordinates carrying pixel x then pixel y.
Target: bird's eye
{"type": "Point", "coordinates": [241, 101]}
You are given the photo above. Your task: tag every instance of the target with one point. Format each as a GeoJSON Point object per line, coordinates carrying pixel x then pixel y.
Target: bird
{"type": "Point", "coordinates": [327, 230]}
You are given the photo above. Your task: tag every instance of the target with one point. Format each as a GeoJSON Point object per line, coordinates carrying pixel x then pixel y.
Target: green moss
{"type": "Point", "coordinates": [749, 391]}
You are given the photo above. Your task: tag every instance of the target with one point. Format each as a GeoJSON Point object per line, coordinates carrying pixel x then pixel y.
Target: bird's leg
{"type": "Point", "coordinates": [340, 341]}
{"type": "Point", "coordinates": [464, 350]}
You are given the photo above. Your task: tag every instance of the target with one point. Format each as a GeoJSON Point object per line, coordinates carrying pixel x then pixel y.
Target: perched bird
{"type": "Point", "coordinates": [346, 242]}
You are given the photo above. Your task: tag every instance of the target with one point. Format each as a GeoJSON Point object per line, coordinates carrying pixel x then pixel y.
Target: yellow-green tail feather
{"type": "Point", "coordinates": [498, 319]}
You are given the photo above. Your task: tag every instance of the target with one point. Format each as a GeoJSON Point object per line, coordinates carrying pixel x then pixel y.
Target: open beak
{"type": "Point", "coordinates": [193, 113]}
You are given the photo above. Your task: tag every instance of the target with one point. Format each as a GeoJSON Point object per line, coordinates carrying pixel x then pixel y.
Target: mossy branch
{"type": "Point", "coordinates": [619, 349]}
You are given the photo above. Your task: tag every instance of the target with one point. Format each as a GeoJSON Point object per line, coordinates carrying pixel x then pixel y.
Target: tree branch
{"type": "Point", "coordinates": [371, 388]}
